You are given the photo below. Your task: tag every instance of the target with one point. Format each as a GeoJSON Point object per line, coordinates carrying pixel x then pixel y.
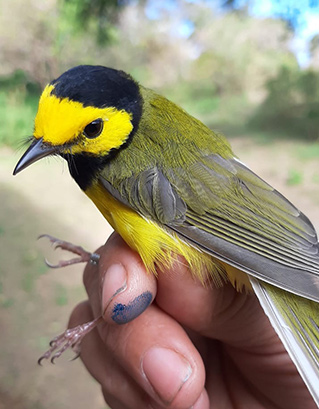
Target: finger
{"type": "Point", "coordinates": [153, 349]}
{"type": "Point", "coordinates": [217, 312]}
{"type": "Point", "coordinates": [128, 360]}
{"type": "Point", "coordinates": [127, 294]}
{"type": "Point", "coordinates": [121, 289]}
{"type": "Point", "coordinates": [252, 350]}
{"type": "Point", "coordinates": [201, 403]}
{"type": "Point", "coordinates": [186, 298]}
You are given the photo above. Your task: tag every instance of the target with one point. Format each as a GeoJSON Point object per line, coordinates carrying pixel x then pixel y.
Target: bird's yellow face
{"type": "Point", "coordinates": [76, 128]}
{"type": "Point", "coordinates": [86, 115]}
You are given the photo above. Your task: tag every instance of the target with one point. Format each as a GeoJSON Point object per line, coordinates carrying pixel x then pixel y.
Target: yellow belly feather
{"type": "Point", "coordinates": [159, 247]}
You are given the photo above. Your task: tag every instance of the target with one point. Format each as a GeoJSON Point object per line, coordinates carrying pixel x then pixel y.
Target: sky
{"type": "Point", "coordinates": [304, 15]}
{"type": "Point", "coordinates": [305, 34]}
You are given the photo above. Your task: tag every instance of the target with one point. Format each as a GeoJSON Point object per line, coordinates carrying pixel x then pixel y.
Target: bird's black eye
{"type": "Point", "coordinates": [93, 129]}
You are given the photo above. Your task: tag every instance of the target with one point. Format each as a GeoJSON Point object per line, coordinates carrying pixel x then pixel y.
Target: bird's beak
{"type": "Point", "coordinates": [37, 150]}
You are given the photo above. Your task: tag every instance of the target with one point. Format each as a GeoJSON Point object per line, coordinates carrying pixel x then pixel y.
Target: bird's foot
{"type": "Point", "coordinates": [71, 338]}
{"type": "Point", "coordinates": [84, 256]}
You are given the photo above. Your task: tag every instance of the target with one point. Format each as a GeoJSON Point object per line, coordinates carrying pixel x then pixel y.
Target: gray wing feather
{"type": "Point", "coordinates": [223, 208]}
{"type": "Point", "coordinates": [150, 194]}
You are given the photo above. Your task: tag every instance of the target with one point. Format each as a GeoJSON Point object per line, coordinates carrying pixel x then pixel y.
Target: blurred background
{"type": "Point", "coordinates": [249, 69]}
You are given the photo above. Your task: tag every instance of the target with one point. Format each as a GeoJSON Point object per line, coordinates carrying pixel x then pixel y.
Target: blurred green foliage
{"type": "Point", "coordinates": [235, 72]}
{"type": "Point", "coordinates": [18, 104]}
{"type": "Point", "coordinates": [308, 152]}
{"type": "Point", "coordinates": [99, 16]}
{"type": "Point", "coordinates": [291, 105]}
{"type": "Point", "coordinates": [295, 177]}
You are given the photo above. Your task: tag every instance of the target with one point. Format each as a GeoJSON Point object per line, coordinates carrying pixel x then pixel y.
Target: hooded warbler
{"type": "Point", "coordinates": [169, 185]}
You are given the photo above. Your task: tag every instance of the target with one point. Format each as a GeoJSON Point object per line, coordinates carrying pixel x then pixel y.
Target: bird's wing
{"type": "Point", "coordinates": [223, 208]}
{"type": "Point", "coordinates": [294, 319]}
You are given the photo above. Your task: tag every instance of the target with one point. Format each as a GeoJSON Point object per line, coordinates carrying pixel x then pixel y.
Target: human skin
{"type": "Point", "coordinates": [195, 346]}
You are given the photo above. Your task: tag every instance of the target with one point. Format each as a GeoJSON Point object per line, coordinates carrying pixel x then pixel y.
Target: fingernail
{"type": "Point", "coordinates": [115, 282]}
{"type": "Point", "coordinates": [166, 371]}
{"type": "Point", "coordinates": [124, 313]}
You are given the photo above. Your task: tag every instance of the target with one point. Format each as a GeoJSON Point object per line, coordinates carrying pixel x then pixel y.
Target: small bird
{"type": "Point", "coordinates": [169, 185]}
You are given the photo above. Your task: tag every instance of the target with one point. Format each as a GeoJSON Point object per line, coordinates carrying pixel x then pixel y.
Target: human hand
{"type": "Point", "coordinates": [195, 346]}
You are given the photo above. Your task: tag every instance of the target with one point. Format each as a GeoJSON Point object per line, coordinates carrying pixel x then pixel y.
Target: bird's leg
{"type": "Point", "coordinates": [84, 256]}
{"type": "Point", "coordinates": [71, 338]}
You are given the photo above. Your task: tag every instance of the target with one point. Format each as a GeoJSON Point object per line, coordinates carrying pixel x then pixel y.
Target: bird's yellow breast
{"type": "Point", "coordinates": [157, 246]}
{"type": "Point", "coordinates": [154, 245]}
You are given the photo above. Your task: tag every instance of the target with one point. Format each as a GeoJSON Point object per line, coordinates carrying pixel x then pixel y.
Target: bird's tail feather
{"type": "Point", "coordinates": [296, 321]}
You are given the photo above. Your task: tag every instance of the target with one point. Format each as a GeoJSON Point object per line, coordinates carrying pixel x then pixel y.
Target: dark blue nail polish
{"type": "Point", "coordinates": [124, 313]}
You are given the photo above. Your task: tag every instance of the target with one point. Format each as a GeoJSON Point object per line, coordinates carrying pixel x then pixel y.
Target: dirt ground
{"type": "Point", "coordinates": [35, 303]}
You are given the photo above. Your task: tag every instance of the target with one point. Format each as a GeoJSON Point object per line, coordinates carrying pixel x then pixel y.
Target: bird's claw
{"type": "Point", "coordinates": [71, 338]}
{"type": "Point", "coordinates": [84, 256]}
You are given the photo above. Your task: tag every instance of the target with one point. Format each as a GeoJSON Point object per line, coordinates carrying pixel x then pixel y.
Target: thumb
{"type": "Point", "coordinates": [119, 287]}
